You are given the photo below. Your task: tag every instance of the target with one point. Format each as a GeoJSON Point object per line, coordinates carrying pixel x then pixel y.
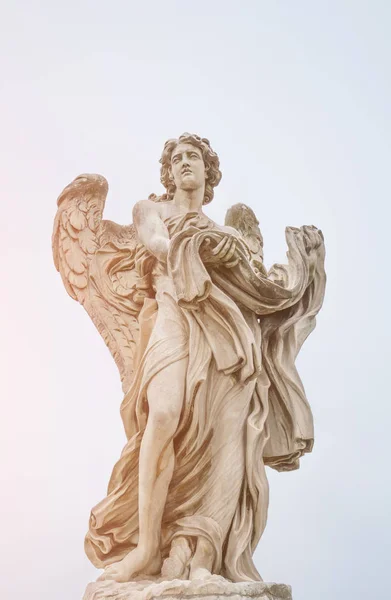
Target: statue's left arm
{"type": "Point", "coordinates": [283, 285]}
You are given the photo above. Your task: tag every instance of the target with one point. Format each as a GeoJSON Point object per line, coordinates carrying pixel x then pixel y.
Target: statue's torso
{"type": "Point", "coordinates": [176, 221]}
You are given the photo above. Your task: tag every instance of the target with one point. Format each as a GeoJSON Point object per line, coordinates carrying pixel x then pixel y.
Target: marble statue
{"type": "Point", "coordinates": [205, 340]}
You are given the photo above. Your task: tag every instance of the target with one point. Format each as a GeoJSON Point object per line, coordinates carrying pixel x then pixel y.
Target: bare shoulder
{"type": "Point", "coordinates": [167, 209]}
{"type": "Point", "coordinates": [144, 205]}
{"type": "Point", "coordinates": [142, 208]}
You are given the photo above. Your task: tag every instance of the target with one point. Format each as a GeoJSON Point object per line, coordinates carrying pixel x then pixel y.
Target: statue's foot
{"type": "Point", "coordinates": [137, 562]}
{"type": "Point", "coordinates": [176, 565]}
{"type": "Point", "coordinates": [202, 562]}
{"type": "Point", "coordinates": [199, 573]}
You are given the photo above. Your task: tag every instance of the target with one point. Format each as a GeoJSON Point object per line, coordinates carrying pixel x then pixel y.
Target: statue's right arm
{"type": "Point", "coordinates": [151, 229]}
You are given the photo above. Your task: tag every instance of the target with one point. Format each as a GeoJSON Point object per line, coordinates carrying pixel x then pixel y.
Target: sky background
{"type": "Point", "coordinates": [295, 98]}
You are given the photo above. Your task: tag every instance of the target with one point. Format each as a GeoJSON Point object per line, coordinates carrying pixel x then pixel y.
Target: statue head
{"type": "Point", "coordinates": [189, 162]}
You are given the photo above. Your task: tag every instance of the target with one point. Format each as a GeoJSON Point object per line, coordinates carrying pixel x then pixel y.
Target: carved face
{"type": "Point", "coordinates": [187, 167]}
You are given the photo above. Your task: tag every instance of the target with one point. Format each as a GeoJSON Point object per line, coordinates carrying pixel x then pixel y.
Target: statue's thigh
{"type": "Point", "coordinates": [167, 359]}
{"type": "Point", "coordinates": [166, 388]}
{"type": "Point", "coordinates": [171, 326]}
{"type": "Point", "coordinates": [169, 345]}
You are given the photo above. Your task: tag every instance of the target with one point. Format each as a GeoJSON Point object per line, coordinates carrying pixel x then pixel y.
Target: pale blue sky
{"type": "Point", "coordinates": [295, 97]}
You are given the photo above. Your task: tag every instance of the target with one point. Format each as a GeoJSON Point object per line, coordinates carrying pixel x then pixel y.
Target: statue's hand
{"type": "Point", "coordinates": [258, 267]}
{"type": "Point", "coordinates": [223, 253]}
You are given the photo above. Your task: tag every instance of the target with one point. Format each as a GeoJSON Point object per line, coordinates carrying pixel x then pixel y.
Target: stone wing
{"type": "Point", "coordinates": [96, 260]}
{"type": "Point", "coordinates": [242, 218]}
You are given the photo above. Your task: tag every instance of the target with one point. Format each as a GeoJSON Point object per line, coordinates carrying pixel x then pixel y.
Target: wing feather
{"type": "Point", "coordinates": [75, 239]}
{"type": "Point", "coordinates": [242, 218]}
{"type": "Point", "coordinates": [96, 260]}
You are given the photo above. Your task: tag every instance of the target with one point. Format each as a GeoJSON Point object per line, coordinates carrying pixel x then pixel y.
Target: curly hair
{"type": "Point", "coordinates": [211, 161]}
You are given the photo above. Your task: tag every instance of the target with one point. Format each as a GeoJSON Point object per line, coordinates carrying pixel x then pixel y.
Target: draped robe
{"type": "Point", "coordinates": [244, 405]}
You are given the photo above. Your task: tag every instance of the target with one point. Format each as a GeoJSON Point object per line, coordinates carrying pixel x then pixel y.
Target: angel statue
{"type": "Point", "coordinates": [205, 340]}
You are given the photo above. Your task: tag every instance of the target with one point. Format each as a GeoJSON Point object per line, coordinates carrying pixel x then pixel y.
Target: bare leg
{"type": "Point", "coordinates": [156, 464]}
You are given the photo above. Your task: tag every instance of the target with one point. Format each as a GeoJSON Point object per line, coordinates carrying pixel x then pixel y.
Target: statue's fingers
{"type": "Point", "coordinates": [227, 248]}
{"type": "Point", "coordinates": [232, 263]}
{"type": "Point", "coordinates": [230, 251]}
{"type": "Point", "coordinates": [220, 246]}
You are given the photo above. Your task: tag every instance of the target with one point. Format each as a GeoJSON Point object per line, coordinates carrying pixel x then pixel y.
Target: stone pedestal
{"type": "Point", "coordinates": [213, 588]}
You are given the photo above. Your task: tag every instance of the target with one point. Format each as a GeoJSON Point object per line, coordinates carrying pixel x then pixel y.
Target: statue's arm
{"type": "Point", "coordinates": [151, 229]}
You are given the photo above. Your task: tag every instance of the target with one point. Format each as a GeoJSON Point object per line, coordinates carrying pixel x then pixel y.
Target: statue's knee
{"type": "Point", "coordinates": [164, 418]}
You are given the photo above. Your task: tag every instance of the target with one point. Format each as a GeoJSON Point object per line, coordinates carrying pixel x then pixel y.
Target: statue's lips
{"type": "Point", "coordinates": [187, 173]}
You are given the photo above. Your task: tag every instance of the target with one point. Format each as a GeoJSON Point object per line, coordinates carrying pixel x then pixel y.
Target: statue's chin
{"type": "Point", "coordinates": [189, 183]}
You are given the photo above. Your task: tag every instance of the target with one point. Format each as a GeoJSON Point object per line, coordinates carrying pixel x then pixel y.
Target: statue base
{"type": "Point", "coordinates": [212, 588]}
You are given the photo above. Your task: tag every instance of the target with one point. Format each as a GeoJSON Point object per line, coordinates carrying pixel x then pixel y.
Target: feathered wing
{"type": "Point", "coordinates": [289, 423]}
{"type": "Point", "coordinates": [242, 218]}
{"type": "Point", "coordinates": [76, 228]}
{"type": "Point", "coordinates": [97, 263]}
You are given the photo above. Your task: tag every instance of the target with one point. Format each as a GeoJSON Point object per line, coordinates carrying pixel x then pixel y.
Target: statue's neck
{"type": "Point", "coordinates": [189, 200]}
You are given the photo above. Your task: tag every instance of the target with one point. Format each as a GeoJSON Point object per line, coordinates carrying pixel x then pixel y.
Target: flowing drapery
{"type": "Point", "coordinates": [244, 403]}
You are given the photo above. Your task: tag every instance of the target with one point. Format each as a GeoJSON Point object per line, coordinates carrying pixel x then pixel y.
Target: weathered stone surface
{"type": "Point", "coordinates": [205, 339]}
{"type": "Point", "coordinates": [214, 588]}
